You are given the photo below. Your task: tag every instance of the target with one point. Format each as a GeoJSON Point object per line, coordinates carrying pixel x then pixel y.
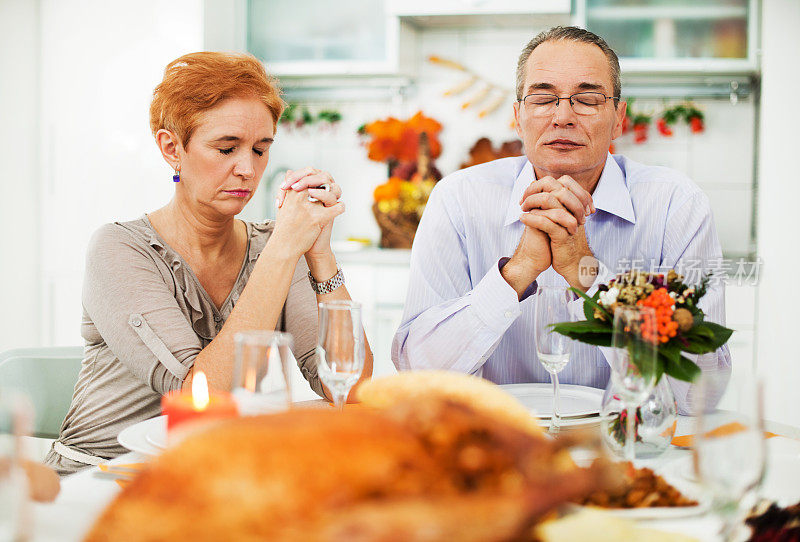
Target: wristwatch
{"type": "Point", "coordinates": [329, 285]}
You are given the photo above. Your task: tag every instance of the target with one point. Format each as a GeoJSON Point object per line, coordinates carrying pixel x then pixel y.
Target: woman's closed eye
{"type": "Point", "coordinates": [229, 150]}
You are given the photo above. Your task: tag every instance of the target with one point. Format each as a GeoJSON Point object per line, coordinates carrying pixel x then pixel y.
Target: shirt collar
{"type": "Point", "coordinates": [610, 195]}
{"type": "Point", "coordinates": [523, 180]}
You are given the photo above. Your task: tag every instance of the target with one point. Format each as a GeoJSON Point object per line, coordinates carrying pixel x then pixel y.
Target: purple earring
{"type": "Point", "coordinates": [177, 177]}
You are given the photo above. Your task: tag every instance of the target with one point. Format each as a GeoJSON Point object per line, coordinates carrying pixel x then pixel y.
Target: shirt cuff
{"type": "Point", "coordinates": [495, 302]}
{"type": "Point", "coordinates": [532, 287]}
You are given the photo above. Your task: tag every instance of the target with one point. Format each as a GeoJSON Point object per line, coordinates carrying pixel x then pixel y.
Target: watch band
{"type": "Point", "coordinates": [329, 285]}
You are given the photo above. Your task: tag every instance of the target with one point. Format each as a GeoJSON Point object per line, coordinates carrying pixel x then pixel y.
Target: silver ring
{"type": "Point", "coordinates": [326, 187]}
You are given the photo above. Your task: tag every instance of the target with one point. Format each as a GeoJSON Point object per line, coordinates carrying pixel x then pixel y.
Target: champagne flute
{"type": "Point", "coordinates": [340, 348]}
{"type": "Point", "coordinates": [16, 414]}
{"type": "Point", "coordinates": [553, 349]}
{"type": "Point", "coordinates": [729, 448]}
{"type": "Point", "coordinates": [633, 364]}
{"type": "Point", "coordinates": [262, 379]}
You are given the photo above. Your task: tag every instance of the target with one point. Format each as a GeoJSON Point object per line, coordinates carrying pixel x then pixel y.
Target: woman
{"type": "Point", "coordinates": [164, 295]}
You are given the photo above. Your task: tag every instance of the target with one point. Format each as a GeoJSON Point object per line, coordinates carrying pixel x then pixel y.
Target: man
{"type": "Point", "coordinates": [567, 213]}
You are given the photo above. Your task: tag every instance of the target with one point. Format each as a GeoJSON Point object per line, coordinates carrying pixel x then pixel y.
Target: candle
{"type": "Point", "coordinates": [183, 407]}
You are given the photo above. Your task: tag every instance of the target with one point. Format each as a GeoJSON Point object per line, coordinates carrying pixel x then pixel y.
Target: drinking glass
{"type": "Point", "coordinates": [633, 364]}
{"type": "Point", "coordinates": [15, 420]}
{"type": "Point", "coordinates": [553, 349]}
{"type": "Point", "coordinates": [340, 347]}
{"type": "Point", "coordinates": [262, 380]}
{"type": "Point", "coordinates": [729, 447]}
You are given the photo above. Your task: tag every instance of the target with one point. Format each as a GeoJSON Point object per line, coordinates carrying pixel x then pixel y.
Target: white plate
{"type": "Point", "coordinates": [142, 437]}
{"type": "Point", "coordinates": [574, 401]}
{"type": "Point", "coordinates": [157, 434]}
{"type": "Point", "coordinates": [657, 512]}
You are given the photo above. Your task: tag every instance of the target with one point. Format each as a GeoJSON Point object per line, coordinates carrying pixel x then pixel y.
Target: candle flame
{"type": "Point", "coordinates": [200, 391]}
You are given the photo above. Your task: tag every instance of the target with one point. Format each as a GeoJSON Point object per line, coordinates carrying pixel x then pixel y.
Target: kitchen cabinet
{"type": "Point", "coordinates": [303, 38]}
{"type": "Point", "coordinates": [318, 37]}
{"type": "Point", "coordinates": [718, 36]}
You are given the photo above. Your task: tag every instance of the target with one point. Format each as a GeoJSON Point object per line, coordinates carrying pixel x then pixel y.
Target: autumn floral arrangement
{"type": "Point", "coordinates": [679, 325]}
{"type": "Point", "coordinates": [408, 148]}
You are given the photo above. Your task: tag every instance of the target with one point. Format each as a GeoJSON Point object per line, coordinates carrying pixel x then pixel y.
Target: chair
{"type": "Point", "coordinates": [47, 376]}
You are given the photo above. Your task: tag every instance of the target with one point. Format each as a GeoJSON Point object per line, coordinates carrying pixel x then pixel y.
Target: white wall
{"type": "Point", "coordinates": [779, 193]}
{"type": "Point", "coordinates": [19, 174]}
{"type": "Point", "coordinates": [99, 64]}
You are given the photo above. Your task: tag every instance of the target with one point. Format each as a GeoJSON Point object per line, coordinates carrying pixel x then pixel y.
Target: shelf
{"type": "Point", "coordinates": [439, 8]}
{"type": "Point", "coordinates": [343, 88]}
{"type": "Point", "coordinates": [480, 13]}
{"type": "Point", "coordinates": [645, 13]}
{"type": "Point", "coordinates": [714, 66]}
{"type": "Point", "coordinates": [688, 86]}
{"type": "Point", "coordinates": [502, 20]}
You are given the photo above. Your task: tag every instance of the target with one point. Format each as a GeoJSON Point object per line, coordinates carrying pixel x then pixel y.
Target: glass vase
{"type": "Point", "coordinates": [654, 424]}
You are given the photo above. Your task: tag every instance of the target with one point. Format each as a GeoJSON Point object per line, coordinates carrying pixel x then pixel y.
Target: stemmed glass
{"type": "Point", "coordinates": [262, 379]}
{"type": "Point", "coordinates": [729, 446]}
{"type": "Point", "coordinates": [340, 347]}
{"type": "Point", "coordinates": [553, 349]}
{"type": "Point", "coordinates": [633, 364]}
{"type": "Point", "coordinates": [16, 414]}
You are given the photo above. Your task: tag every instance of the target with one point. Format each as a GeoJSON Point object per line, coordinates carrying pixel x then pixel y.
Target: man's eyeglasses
{"type": "Point", "coordinates": [583, 103]}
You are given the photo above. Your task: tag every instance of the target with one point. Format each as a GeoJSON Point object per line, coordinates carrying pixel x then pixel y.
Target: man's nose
{"type": "Point", "coordinates": [564, 114]}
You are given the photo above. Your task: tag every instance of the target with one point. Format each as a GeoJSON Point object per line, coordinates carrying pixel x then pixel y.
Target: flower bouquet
{"type": "Point", "coordinates": [679, 324]}
{"type": "Point", "coordinates": [409, 148]}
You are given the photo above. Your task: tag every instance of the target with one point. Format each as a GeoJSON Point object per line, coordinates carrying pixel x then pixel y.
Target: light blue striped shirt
{"type": "Point", "coordinates": [460, 313]}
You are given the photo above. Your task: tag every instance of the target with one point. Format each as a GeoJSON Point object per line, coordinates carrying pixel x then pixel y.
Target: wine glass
{"type": "Point", "coordinates": [634, 355]}
{"type": "Point", "coordinates": [729, 447]}
{"type": "Point", "coordinates": [340, 347]}
{"type": "Point", "coordinates": [553, 349]}
{"type": "Point", "coordinates": [16, 414]}
{"type": "Point", "coordinates": [262, 379]}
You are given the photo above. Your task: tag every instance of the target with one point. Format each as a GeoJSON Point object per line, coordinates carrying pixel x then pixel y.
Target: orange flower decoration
{"type": "Point", "coordinates": [393, 139]}
{"type": "Point", "coordinates": [664, 327]}
{"type": "Point", "coordinates": [389, 190]}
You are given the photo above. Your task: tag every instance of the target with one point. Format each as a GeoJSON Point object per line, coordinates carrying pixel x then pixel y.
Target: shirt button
{"type": "Point", "coordinates": [136, 322]}
{"type": "Point", "coordinates": [509, 314]}
{"type": "Point", "coordinates": [217, 318]}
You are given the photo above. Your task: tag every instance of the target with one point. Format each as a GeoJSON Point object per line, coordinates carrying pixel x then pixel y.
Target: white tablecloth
{"type": "Point", "coordinates": [84, 495]}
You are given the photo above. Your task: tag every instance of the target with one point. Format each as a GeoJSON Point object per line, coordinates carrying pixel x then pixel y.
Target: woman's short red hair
{"type": "Point", "coordinates": [197, 82]}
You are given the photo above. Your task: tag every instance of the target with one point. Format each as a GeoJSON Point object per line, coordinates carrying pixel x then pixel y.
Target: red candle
{"type": "Point", "coordinates": [184, 407]}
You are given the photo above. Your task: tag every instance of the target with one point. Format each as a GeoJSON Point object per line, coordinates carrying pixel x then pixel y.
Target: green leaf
{"type": "Point", "coordinates": [699, 330]}
{"type": "Point", "coordinates": [721, 333]}
{"type": "Point", "coordinates": [584, 326]}
{"type": "Point", "coordinates": [592, 302]}
{"type": "Point", "coordinates": [597, 339]}
{"type": "Point", "coordinates": [682, 369]}
{"type": "Point", "coordinates": [700, 345]}
{"type": "Point", "coordinates": [588, 310]}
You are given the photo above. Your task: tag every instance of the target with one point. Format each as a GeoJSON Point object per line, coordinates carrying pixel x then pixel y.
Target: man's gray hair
{"type": "Point", "coordinates": [571, 33]}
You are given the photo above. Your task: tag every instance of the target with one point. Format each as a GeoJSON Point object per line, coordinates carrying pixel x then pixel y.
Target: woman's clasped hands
{"type": "Point", "coordinates": [308, 223]}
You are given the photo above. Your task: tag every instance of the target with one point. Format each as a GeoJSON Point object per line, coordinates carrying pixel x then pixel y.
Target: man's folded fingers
{"type": "Point", "coordinates": [560, 217]}
{"type": "Point", "coordinates": [581, 193]}
{"type": "Point", "coordinates": [539, 220]}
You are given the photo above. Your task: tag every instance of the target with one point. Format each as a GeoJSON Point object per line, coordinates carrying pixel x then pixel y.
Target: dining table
{"type": "Point", "coordinates": [85, 494]}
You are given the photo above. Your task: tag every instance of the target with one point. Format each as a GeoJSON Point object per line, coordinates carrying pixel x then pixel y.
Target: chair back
{"type": "Point", "coordinates": [47, 376]}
